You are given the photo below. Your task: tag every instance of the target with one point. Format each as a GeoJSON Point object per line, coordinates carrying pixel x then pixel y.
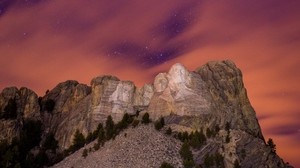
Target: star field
{"type": "Point", "coordinates": [44, 42]}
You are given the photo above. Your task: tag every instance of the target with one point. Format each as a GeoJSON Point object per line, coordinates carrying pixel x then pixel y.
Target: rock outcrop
{"type": "Point", "coordinates": [215, 93]}
{"type": "Point", "coordinates": [110, 96]}
{"type": "Point", "coordinates": [142, 96]}
{"type": "Point", "coordinates": [78, 106]}
{"type": "Point", "coordinates": [213, 96]}
{"type": "Point", "coordinates": [15, 106]}
{"type": "Point", "coordinates": [225, 84]}
{"type": "Point", "coordinates": [70, 111]}
{"type": "Point", "coordinates": [179, 92]}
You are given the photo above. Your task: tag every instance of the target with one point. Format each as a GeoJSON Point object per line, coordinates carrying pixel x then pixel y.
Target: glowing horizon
{"type": "Point", "coordinates": [43, 43]}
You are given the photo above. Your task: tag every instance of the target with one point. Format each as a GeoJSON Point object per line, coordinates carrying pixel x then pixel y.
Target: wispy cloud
{"type": "Point", "coordinates": [44, 42]}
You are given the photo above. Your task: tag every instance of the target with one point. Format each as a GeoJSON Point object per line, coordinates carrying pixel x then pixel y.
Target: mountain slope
{"type": "Point", "coordinates": [136, 147]}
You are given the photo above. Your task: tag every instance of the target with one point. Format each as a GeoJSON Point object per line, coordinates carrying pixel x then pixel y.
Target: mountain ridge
{"type": "Point", "coordinates": [211, 96]}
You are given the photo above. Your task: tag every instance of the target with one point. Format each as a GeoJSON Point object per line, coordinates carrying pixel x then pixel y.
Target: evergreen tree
{"type": "Point", "coordinates": [188, 163]}
{"type": "Point", "coordinates": [162, 121]}
{"type": "Point", "coordinates": [96, 132]}
{"type": "Point", "coordinates": [101, 136]}
{"type": "Point", "coordinates": [195, 142]}
{"type": "Point", "coordinates": [185, 151]}
{"type": "Point", "coordinates": [169, 131]}
{"type": "Point", "coordinates": [185, 136]}
{"type": "Point", "coordinates": [272, 145]}
{"type": "Point", "coordinates": [135, 123]}
{"type": "Point", "coordinates": [110, 128]}
{"type": "Point", "coordinates": [78, 141]}
{"type": "Point", "coordinates": [126, 120]}
{"type": "Point", "coordinates": [159, 124]}
{"type": "Point", "coordinates": [146, 119]}
{"type": "Point", "coordinates": [227, 140]}
{"type": "Point", "coordinates": [89, 138]}
{"type": "Point", "coordinates": [85, 153]}
{"type": "Point", "coordinates": [186, 155]}
{"type": "Point", "coordinates": [96, 146]}
{"type": "Point", "coordinates": [166, 165]}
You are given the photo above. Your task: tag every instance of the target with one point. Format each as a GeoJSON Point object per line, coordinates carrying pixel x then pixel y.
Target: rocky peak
{"type": "Point", "coordinates": [176, 79]}
{"type": "Point", "coordinates": [16, 105]}
{"type": "Point", "coordinates": [110, 96]}
{"type": "Point", "coordinates": [102, 79]}
{"type": "Point", "coordinates": [178, 76]}
{"type": "Point", "coordinates": [223, 75]}
{"type": "Point", "coordinates": [28, 103]}
{"type": "Point", "coordinates": [225, 84]}
{"type": "Point", "coordinates": [67, 94]}
{"type": "Point", "coordinates": [25, 100]}
{"type": "Point", "coordinates": [213, 96]}
{"type": "Point", "coordinates": [215, 92]}
{"type": "Point", "coordinates": [9, 92]}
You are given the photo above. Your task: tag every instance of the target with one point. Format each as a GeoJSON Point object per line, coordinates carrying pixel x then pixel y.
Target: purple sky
{"type": "Point", "coordinates": [44, 42]}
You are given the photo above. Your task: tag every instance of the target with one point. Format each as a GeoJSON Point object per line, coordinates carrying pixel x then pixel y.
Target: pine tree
{"type": "Point", "coordinates": [227, 139]}
{"type": "Point", "coordinates": [186, 155]}
{"type": "Point", "coordinates": [78, 141]}
{"type": "Point", "coordinates": [135, 123]}
{"type": "Point", "coordinates": [185, 151]}
{"type": "Point", "coordinates": [145, 119]}
{"type": "Point", "coordinates": [85, 153]}
{"type": "Point", "coordinates": [169, 131]}
{"type": "Point", "coordinates": [272, 145]}
{"type": "Point", "coordinates": [166, 165]}
{"type": "Point", "coordinates": [159, 124]}
{"type": "Point", "coordinates": [110, 128]}
{"type": "Point", "coordinates": [101, 136]}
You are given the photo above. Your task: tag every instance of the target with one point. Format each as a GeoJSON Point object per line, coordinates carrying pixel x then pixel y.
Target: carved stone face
{"type": "Point", "coordinates": [160, 82]}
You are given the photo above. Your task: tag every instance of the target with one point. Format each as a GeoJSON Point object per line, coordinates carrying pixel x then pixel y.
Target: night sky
{"type": "Point", "coordinates": [44, 42]}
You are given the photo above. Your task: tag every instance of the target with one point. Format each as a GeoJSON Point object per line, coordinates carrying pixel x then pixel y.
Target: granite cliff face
{"type": "Point", "coordinates": [211, 96]}
{"type": "Point", "coordinates": [225, 84]}
{"type": "Point", "coordinates": [16, 105]}
{"type": "Point", "coordinates": [214, 93]}
{"type": "Point", "coordinates": [179, 92]}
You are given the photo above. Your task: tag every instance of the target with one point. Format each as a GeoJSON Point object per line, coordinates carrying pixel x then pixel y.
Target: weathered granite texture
{"type": "Point", "coordinates": [211, 96]}
{"type": "Point", "coordinates": [26, 107]}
